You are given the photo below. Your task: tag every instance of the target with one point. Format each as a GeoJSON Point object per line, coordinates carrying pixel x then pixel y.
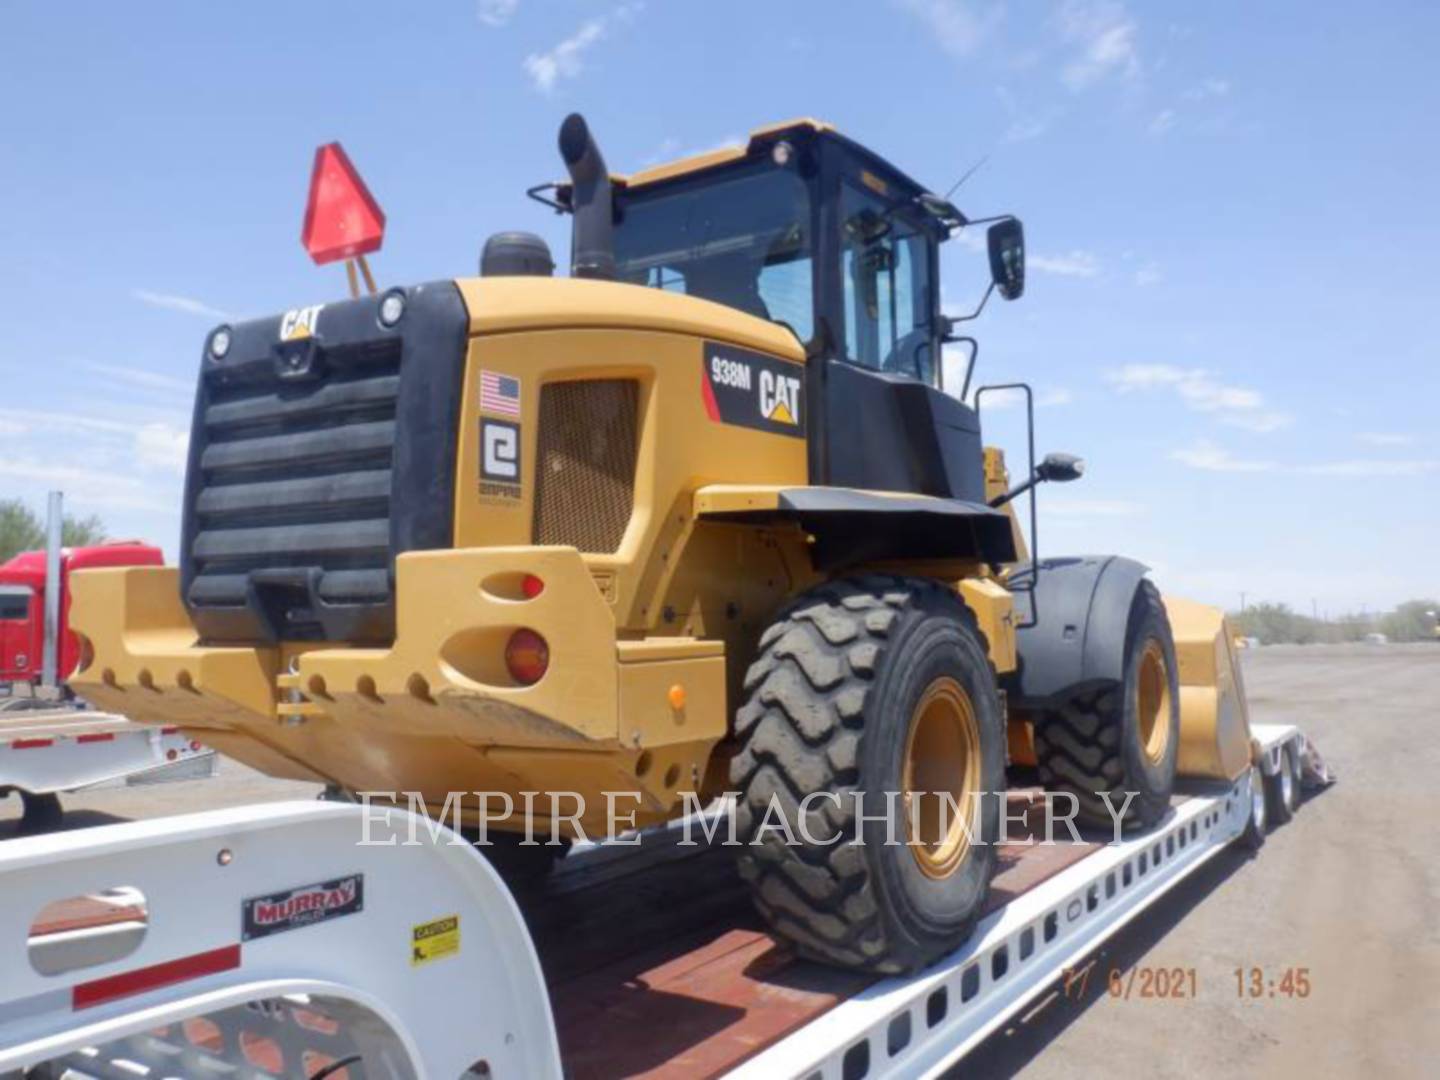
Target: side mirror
{"type": "Point", "coordinates": [1060, 468]}
{"type": "Point", "coordinates": [1006, 242]}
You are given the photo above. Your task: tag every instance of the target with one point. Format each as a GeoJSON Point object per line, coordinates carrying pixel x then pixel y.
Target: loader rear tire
{"type": "Point", "coordinates": [523, 866]}
{"type": "Point", "coordinates": [870, 685]}
{"type": "Point", "coordinates": [1121, 738]}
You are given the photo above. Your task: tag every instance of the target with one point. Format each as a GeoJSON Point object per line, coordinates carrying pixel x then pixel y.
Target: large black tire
{"type": "Point", "coordinates": [523, 866]}
{"type": "Point", "coordinates": [1283, 789]}
{"type": "Point", "coordinates": [1122, 737]}
{"type": "Point", "coordinates": [843, 675]}
{"type": "Point", "coordinates": [41, 814]}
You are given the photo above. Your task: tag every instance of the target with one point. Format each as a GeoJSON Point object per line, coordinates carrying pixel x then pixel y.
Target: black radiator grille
{"type": "Point", "coordinates": [314, 462]}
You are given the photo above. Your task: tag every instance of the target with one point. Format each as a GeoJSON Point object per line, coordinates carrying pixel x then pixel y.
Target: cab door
{"type": "Point", "coordinates": [18, 637]}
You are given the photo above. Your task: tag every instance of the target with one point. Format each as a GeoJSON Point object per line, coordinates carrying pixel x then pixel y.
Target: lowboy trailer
{"type": "Point", "coordinates": [264, 941]}
{"type": "Point", "coordinates": [47, 752]}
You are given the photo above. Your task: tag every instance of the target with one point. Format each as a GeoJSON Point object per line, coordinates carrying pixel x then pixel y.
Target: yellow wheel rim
{"type": "Point", "coordinates": [942, 771]}
{"type": "Point", "coordinates": [1152, 703]}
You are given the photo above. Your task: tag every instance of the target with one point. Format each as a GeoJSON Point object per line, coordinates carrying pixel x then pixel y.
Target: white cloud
{"type": "Point", "coordinates": [1211, 458]}
{"type": "Point", "coordinates": [150, 380]}
{"type": "Point", "coordinates": [1208, 88]}
{"type": "Point", "coordinates": [1372, 468]}
{"type": "Point", "coordinates": [171, 302]}
{"type": "Point", "coordinates": [162, 446]}
{"type": "Point", "coordinates": [1235, 406]}
{"type": "Point", "coordinates": [1386, 438]}
{"type": "Point", "coordinates": [958, 26]}
{"type": "Point", "coordinates": [1163, 122]}
{"type": "Point", "coordinates": [1071, 264]}
{"type": "Point", "coordinates": [1027, 129]}
{"type": "Point", "coordinates": [1105, 36]}
{"type": "Point", "coordinates": [1149, 274]}
{"type": "Point", "coordinates": [565, 60]}
{"type": "Point", "coordinates": [89, 486]}
{"type": "Point", "coordinates": [496, 12]}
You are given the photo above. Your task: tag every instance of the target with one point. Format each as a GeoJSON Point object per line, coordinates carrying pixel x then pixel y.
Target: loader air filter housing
{"type": "Point", "coordinates": [516, 254]}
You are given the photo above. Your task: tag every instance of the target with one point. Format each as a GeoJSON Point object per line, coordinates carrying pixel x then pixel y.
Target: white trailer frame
{"type": "Point", "coordinates": [488, 1002]}
{"type": "Point", "coordinates": [48, 751]}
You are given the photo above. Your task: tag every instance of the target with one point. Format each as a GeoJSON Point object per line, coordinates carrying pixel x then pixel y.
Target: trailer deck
{"type": "Point", "coordinates": [653, 962]}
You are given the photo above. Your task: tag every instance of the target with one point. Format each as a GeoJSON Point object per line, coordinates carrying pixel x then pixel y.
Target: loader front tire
{"type": "Point", "coordinates": [1121, 738]}
{"type": "Point", "coordinates": [866, 686]}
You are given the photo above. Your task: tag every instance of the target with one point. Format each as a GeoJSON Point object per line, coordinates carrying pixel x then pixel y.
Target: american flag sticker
{"type": "Point", "coordinates": [499, 393]}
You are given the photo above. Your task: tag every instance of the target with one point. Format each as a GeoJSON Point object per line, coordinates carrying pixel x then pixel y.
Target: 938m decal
{"type": "Point", "coordinates": [753, 390]}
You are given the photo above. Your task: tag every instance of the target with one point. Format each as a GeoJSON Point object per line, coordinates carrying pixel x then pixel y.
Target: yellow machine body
{"type": "Point", "coordinates": [672, 613]}
{"type": "Point", "coordinates": [659, 564]}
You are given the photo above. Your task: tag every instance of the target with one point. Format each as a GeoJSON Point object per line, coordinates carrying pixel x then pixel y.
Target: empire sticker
{"type": "Point", "coordinates": [499, 459]}
{"type": "Point", "coordinates": [753, 390]}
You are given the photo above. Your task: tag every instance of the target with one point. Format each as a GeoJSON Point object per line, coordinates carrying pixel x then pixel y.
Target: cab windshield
{"type": "Point", "coordinates": [742, 240]}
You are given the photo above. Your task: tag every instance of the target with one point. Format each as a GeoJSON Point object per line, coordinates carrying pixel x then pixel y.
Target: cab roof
{"type": "Point", "coordinates": [759, 139]}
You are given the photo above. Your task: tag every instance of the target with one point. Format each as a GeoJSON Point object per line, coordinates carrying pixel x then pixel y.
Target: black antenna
{"type": "Point", "coordinates": [968, 173]}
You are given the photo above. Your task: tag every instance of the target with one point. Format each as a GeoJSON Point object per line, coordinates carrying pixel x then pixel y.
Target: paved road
{"type": "Point", "coordinates": [1350, 890]}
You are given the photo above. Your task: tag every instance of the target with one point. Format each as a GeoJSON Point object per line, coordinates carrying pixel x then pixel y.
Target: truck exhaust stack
{"type": "Point", "coordinates": [592, 244]}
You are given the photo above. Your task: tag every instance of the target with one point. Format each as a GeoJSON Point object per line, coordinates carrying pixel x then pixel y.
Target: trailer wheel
{"type": "Point", "coordinates": [863, 687]}
{"type": "Point", "coordinates": [1259, 822]}
{"type": "Point", "coordinates": [1121, 738]}
{"type": "Point", "coordinates": [40, 814]}
{"type": "Point", "coordinates": [1283, 789]}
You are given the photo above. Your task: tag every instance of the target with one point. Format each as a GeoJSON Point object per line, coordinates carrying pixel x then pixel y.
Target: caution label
{"type": "Point", "coordinates": [434, 940]}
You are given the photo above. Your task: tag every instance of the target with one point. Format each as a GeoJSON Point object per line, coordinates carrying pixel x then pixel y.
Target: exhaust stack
{"type": "Point", "coordinates": [592, 247]}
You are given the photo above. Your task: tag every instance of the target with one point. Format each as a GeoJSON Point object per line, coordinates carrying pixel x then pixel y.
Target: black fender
{"type": "Point", "coordinates": [853, 527]}
{"type": "Point", "coordinates": [1079, 613]}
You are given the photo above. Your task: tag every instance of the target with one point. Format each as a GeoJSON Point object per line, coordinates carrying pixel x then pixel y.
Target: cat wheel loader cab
{"type": "Point", "coordinates": [698, 518]}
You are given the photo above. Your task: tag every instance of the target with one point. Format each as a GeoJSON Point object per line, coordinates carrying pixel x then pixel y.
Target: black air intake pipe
{"type": "Point", "coordinates": [592, 246]}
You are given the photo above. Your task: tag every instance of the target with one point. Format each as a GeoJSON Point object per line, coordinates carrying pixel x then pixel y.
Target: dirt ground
{"type": "Point", "coordinates": [1349, 891]}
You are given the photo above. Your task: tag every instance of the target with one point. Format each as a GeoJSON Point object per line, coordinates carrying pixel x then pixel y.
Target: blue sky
{"type": "Point", "coordinates": [1229, 206]}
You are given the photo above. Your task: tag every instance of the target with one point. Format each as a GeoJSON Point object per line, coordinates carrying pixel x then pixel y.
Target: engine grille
{"type": "Point", "coordinates": [313, 463]}
{"type": "Point", "coordinates": [585, 474]}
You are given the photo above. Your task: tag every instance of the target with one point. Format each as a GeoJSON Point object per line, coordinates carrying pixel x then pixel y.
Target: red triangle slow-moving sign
{"type": "Point", "coordinates": [342, 218]}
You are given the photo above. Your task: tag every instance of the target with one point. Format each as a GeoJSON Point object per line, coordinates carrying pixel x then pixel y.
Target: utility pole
{"type": "Point", "coordinates": [50, 654]}
{"type": "Point", "coordinates": [1242, 601]}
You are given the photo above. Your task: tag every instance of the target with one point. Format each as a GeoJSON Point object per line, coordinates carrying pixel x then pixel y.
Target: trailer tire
{"type": "Point", "coordinates": [1283, 789]}
{"type": "Point", "coordinates": [864, 686]}
{"type": "Point", "coordinates": [1122, 737]}
{"type": "Point", "coordinates": [1258, 822]}
{"type": "Point", "coordinates": [40, 813]}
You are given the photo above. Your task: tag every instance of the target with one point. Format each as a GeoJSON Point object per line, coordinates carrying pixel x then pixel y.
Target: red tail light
{"type": "Point", "coordinates": [531, 586]}
{"type": "Point", "coordinates": [527, 657]}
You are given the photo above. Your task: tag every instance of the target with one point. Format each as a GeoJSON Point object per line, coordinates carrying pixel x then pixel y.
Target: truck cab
{"type": "Point", "coordinates": [22, 604]}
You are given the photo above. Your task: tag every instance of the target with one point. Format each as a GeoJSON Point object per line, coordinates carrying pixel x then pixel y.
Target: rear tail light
{"type": "Point", "coordinates": [527, 657]}
{"type": "Point", "coordinates": [531, 586]}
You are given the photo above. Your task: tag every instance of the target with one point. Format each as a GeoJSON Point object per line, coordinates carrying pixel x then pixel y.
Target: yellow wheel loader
{"type": "Point", "coordinates": [700, 518]}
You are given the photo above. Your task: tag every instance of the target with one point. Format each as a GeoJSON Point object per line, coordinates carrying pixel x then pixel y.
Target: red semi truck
{"type": "Point", "coordinates": [22, 604]}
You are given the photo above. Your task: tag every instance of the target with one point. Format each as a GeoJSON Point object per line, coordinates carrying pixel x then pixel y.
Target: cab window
{"type": "Point", "coordinates": [742, 240]}
{"type": "Point", "coordinates": [15, 603]}
{"type": "Point", "coordinates": [886, 277]}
